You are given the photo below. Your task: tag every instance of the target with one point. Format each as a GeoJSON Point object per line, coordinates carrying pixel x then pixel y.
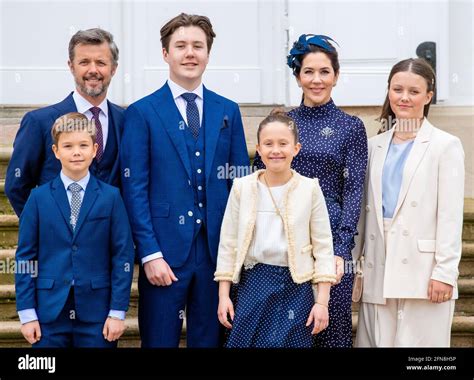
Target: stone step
{"type": "Point", "coordinates": [462, 333]}
{"type": "Point", "coordinates": [8, 231]}
{"type": "Point", "coordinates": [5, 154]}
{"type": "Point", "coordinates": [5, 207]}
{"type": "Point", "coordinates": [468, 221]}
{"type": "Point", "coordinates": [466, 267]}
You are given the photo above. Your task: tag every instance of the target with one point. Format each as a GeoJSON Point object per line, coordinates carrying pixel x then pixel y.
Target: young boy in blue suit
{"type": "Point", "coordinates": [176, 145]}
{"type": "Point", "coordinates": [74, 230]}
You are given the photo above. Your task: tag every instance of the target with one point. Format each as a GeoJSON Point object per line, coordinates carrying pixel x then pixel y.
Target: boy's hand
{"type": "Point", "coordinates": [159, 273]}
{"type": "Point", "coordinates": [225, 307]}
{"type": "Point", "coordinates": [113, 329]}
{"type": "Point", "coordinates": [320, 315]}
{"type": "Point", "coordinates": [31, 331]}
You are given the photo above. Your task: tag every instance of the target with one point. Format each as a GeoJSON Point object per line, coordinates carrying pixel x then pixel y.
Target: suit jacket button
{"type": "Point", "coordinates": [367, 208]}
{"type": "Point", "coordinates": [405, 233]}
{"type": "Point", "coordinates": [372, 236]}
{"type": "Point", "coordinates": [405, 261]}
{"type": "Point", "coordinates": [369, 265]}
{"type": "Point", "coordinates": [74, 247]}
{"type": "Point", "coordinates": [414, 204]}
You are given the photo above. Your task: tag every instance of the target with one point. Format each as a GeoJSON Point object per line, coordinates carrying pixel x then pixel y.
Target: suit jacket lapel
{"type": "Point", "coordinates": [90, 195]}
{"type": "Point", "coordinates": [66, 106]}
{"type": "Point", "coordinates": [173, 123]}
{"type": "Point", "coordinates": [212, 120]}
{"type": "Point", "coordinates": [115, 122]}
{"type": "Point", "coordinates": [414, 158]}
{"type": "Point", "coordinates": [60, 197]}
{"type": "Point", "coordinates": [377, 163]}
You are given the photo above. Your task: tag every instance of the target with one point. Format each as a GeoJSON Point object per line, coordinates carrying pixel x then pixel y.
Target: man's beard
{"type": "Point", "coordinates": [93, 92]}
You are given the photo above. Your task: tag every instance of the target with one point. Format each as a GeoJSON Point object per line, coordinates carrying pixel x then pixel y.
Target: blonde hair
{"type": "Point", "coordinates": [73, 122]}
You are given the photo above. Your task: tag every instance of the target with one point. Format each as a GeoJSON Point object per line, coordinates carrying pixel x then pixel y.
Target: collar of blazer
{"type": "Point", "coordinates": [417, 152]}
{"type": "Point", "coordinates": [292, 184]}
{"type": "Point", "coordinates": [295, 178]}
{"type": "Point", "coordinates": [213, 116]}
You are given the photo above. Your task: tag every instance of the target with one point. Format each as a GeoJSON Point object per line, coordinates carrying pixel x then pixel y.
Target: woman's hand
{"type": "Point", "coordinates": [224, 309]}
{"type": "Point", "coordinates": [339, 264]}
{"type": "Point", "coordinates": [320, 316]}
{"type": "Point", "coordinates": [439, 292]}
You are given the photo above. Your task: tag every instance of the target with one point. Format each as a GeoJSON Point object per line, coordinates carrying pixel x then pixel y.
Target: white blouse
{"type": "Point", "coordinates": [269, 244]}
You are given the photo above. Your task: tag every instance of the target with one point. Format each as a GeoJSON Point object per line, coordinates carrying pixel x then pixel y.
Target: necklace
{"type": "Point", "coordinates": [405, 138]}
{"type": "Point", "coordinates": [277, 210]}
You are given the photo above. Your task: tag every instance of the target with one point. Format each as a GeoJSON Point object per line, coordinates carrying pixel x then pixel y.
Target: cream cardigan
{"type": "Point", "coordinates": [306, 224]}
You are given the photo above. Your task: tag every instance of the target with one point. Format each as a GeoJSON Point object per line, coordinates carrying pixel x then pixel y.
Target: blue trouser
{"type": "Point", "coordinates": [68, 331]}
{"type": "Point", "coordinates": [194, 296]}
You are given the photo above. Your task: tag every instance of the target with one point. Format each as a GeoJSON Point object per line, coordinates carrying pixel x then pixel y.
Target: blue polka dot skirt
{"type": "Point", "coordinates": [270, 310]}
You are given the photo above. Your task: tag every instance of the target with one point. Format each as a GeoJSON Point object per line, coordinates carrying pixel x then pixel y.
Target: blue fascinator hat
{"type": "Point", "coordinates": [302, 46]}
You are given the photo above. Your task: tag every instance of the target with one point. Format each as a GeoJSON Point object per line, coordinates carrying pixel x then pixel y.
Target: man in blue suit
{"type": "Point", "coordinates": [175, 145]}
{"type": "Point", "coordinates": [75, 250]}
{"type": "Point", "coordinates": [93, 59]}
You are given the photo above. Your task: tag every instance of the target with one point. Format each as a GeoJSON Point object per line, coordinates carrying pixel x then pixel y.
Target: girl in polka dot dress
{"type": "Point", "coordinates": [334, 150]}
{"type": "Point", "coordinates": [276, 247]}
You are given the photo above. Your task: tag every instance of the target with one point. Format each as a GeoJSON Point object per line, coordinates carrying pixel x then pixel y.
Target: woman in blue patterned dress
{"type": "Point", "coordinates": [334, 150]}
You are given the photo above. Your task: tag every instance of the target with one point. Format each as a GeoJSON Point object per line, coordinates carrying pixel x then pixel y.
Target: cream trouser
{"type": "Point", "coordinates": [405, 322]}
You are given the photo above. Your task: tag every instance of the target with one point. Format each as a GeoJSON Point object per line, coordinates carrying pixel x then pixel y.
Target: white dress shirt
{"type": "Point", "coordinates": [83, 106]}
{"type": "Point", "coordinates": [177, 91]}
{"type": "Point", "coordinates": [269, 244]}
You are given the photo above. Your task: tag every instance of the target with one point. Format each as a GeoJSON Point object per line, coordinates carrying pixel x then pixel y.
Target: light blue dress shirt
{"type": "Point", "coordinates": [393, 175]}
{"type": "Point", "coordinates": [29, 315]}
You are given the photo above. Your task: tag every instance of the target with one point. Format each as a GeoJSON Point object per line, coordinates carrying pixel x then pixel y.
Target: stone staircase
{"type": "Point", "coordinates": [10, 336]}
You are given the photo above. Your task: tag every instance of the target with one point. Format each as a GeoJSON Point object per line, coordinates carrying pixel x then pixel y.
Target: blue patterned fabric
{"type": "Point", "coordinates": [192, 113]}
{"type": "Point", "coordinates": [76, 201]}
{"type": "Point", "coordinates": [334, 150]}
{"type": "Point", "coordinates": [270, 310]}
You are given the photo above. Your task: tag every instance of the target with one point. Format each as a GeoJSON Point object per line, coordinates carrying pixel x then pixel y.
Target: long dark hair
{"type": "Point", "coordinates": [414, 65]}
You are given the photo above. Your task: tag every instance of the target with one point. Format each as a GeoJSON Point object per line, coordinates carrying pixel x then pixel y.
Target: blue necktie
{"type": "Point", "coordinates": [76, 201]}
{"type": "Point", "coordinates": [192, 113]}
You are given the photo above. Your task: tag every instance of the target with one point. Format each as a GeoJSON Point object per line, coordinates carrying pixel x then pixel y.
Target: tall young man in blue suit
{"type": "Point", "coordinates": [175, 144]}
{"type": "Point", "coordinates": [76, 239]}
{"type": "Point", "coordinates": [93, 59]}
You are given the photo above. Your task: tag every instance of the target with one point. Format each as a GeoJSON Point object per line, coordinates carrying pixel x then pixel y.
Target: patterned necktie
{"type": "Point", "coordinates": [192, 113]}
{"type": "Point", "coordinates": [100, 137]}
{"type": "Point", "coordinates": [76, 201]}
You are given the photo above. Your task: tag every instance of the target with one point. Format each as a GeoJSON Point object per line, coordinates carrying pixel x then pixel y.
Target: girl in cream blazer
{"type": "Point", "coordinates": [411, 246]}
{"type": "Point", "coordinates": [276, 247]}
